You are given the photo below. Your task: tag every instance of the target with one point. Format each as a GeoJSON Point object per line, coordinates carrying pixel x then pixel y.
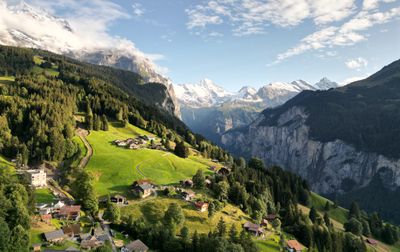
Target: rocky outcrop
{"type": "Point", "coordinates": [330, 167]}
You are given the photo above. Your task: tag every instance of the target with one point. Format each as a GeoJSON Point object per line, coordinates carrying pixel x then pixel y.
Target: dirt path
{"type": "Point", "coordinates": [82, 133]}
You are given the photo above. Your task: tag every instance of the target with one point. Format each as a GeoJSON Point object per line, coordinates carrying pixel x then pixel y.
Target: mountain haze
{"type": "Point", "coordinates": [210, 110]}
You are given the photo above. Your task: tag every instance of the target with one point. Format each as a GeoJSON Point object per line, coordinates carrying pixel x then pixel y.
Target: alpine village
{"type": "Point", "coordinates": [94, 157]}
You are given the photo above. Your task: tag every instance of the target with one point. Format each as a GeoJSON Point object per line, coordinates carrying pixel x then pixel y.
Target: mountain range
{"type": "Point", "coordinates": [118, 53]}
{"type": "Point", "coordinates": [344, 141]}
{"type": "Point", "coordinates": [210, 110]}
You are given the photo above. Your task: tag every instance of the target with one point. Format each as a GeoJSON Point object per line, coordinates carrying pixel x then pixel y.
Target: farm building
{"type": "Point", "coordinates": [294, 246]}
{"type": "Point", "coordinates": [135, 246]}
{"type": "Point", "coordinates": [253, 228]}
{"type": "Point", "coordinates": [188, 195]}
{"type": "Point", "coordinates": [70, 212]}
{"type": "Point", "coordinates": [143, 189]}
{"type": "Point", "coordinates": [201, 206]}
{"type": "Point", "coordinates": [224, 171]}
{"type": "Point", "coordinates": [119, 199]}
{"type": "Point", "coordinates": [72, 230]}
{"type": "Point", "coordinates": [54, 236]}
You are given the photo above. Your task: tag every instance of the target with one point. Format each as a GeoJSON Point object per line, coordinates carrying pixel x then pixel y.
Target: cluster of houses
{"type": "Point", "coordinates": [139, 142]}
{"type": "Point", "coordinates": [59, 211]}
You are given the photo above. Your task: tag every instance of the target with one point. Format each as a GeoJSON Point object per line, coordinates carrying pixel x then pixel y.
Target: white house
{"type": "Point", "coordinates": [37, 178]}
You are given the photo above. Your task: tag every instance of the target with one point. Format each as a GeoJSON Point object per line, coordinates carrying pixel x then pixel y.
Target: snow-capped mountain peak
{"type": "Point", "coordinates": [325, 84]}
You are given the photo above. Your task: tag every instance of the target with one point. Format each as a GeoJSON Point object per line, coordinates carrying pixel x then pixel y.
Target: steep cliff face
{"type": "Point", "coordinates": [212, 122]}
{"type": "Point", "coordinates": [330, 167]}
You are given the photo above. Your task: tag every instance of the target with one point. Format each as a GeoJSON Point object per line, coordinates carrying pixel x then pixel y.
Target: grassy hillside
{"type": "Point", "coordinates": [115, 168]}
{"type": "Point", "coordinates": [154, 210]}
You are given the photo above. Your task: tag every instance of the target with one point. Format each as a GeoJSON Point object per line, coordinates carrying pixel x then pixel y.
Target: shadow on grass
{"type": "Point", "coordinates": [152, 212]}
{"type": "Point", "coordinates": [195, 219]}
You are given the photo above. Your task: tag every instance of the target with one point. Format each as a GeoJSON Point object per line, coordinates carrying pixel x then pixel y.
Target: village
{"type": "Point", "coordinates": [84, 233]}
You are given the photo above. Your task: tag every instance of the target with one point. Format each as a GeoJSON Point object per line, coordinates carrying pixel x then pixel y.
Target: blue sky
{"type": "Point", "coordinates": [250, 42]}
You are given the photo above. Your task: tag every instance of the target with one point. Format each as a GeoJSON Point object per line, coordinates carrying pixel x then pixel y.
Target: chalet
{"type": "Point", "coordinates": [54, 236]}
{"type": "Point", "coordinates": [36, 247]}
{"type": "Point", "coordinates": [70, 212]}
{"type": "Point", "coordinates": [72, 230]}
{"type": "Point", "coordinates": [45, 211]}
{"type": "Point", "coordinates": [119, 199]}
{"type": "Point", "coordinates": [118, 243]}
{"type": "Point", "coordinates": [143, 189]}
{"type": "Point", "coordinates": [201, 206]}
{"type": "Point", "coordinates": [294, 246]}
{"type": "Point", "coordinates": [253, 228]}
{"type": "Point", "coordinates": [372, 241]}
{"type": "Point", "coordinates": [91, 243]}
{"type": "Point", "coordinates": [207, 182]}
{"type": "Point", "coordinates": [122, 144]}
{"type": "Point", "coordinates": [188, 195]}
{"type": "Point", "coordinates": [135, 246]}
{"type": "Point", "coordinates": [187, 183]}
{"type": "Point", "coordinates": [46, 218]}
{"type": "Point", "coordinates": [58, 205]}
{"type": "Point", "coordinates": [37, 178]}
{"type": "Point", "coordinates": [224, 171]}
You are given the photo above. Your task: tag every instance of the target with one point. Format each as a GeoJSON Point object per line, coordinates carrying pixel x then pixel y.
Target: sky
{"type": "Point", "coordinates": [248, 42]}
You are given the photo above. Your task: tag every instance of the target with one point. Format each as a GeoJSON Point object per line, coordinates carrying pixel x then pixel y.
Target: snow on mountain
{"type": "Point", "coordinates": [27, 26]}
{"type": "Point", "coordinates": [204, 94]}
{"type": "Point", "coordinates": [208, 94]}
{"type": "Point", "coordinates": [325, 84]}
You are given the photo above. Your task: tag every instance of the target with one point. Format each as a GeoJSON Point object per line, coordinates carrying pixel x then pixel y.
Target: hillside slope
{"type": "Point", "coordinates": [339, 140]}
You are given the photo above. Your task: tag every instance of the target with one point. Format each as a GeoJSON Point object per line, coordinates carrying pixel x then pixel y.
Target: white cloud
{"type": "Point", "coordinates": [352, 79]}
{"type": "Point", "coordinates": [253, 16]}
{"type": "Point", "coordinates": [89, 20]}
{"type": "Point", "coordinates": [138, 10]}
{"type": "Point", "coordinates": [357, 63]}
{"type": "Point", "coordinates": [350, 33]}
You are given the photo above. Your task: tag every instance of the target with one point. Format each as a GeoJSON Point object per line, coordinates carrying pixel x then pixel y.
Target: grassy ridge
{"type": "Point", "coordinates": [115, 168]}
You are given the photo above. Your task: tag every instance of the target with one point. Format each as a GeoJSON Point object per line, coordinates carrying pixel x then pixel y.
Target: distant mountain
{"type": "Point", "coordinates": [58, 36]}
{"type": "Point", "coordinates": [325, 84]}
{"type": "Point", "coordinates": [344, 141]}
{"type": "Point", "coordinates": [210, 110]}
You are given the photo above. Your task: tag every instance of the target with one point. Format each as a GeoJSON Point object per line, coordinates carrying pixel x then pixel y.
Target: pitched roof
{"type": "Point", "coordinates": [137, 246]}
{"type": "Point", "coordinates": [56, 234]}
{"type": "Point", "coordinates": [293, 244]}
{"type": "Point", "coordinates": [74, 228]}
{"type": "Point", "coordinates": [145, 187]}
{"type": "Point", "coordinates": [65, 210]}
{"type": "Point", "coordinates": [372, 241]}
{"type": "Point", "coordinates": [200, 204]}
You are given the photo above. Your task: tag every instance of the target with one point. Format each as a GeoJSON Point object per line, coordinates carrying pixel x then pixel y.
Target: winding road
{"type": "Point", "coordinates": [82, 133]}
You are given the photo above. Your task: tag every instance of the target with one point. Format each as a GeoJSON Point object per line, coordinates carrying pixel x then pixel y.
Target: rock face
{"type": "Point", "coordinates": [330, 167]}
{"type": "Point", "coordinates": [113, 52]}
{"type": "Point", "coordinates": [211, 111]}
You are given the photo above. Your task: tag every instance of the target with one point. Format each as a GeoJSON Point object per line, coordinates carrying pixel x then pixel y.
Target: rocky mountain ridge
{"type": "Point", "coordinates": [118, 53]}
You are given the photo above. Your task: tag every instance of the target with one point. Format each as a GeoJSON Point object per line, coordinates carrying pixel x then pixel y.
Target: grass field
{"type": "Point", "coordinates": [44, 195]}
{"type": "Point", "coordinates": [271, 244]}
{"type": "Point", "coordinates": [7, 80]}
{"type": "Point", "coordinates": [5, 163]}
{"type": "Point", "coordinates": [154, 210]}
{"type": "Point", "coordinates": [339, 213]}
{"type": "Point", "coordinates": [115, 168]}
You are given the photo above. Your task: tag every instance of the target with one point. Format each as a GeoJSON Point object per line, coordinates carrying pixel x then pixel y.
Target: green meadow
{"type": "Point", "coordinates": [115, 168]}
